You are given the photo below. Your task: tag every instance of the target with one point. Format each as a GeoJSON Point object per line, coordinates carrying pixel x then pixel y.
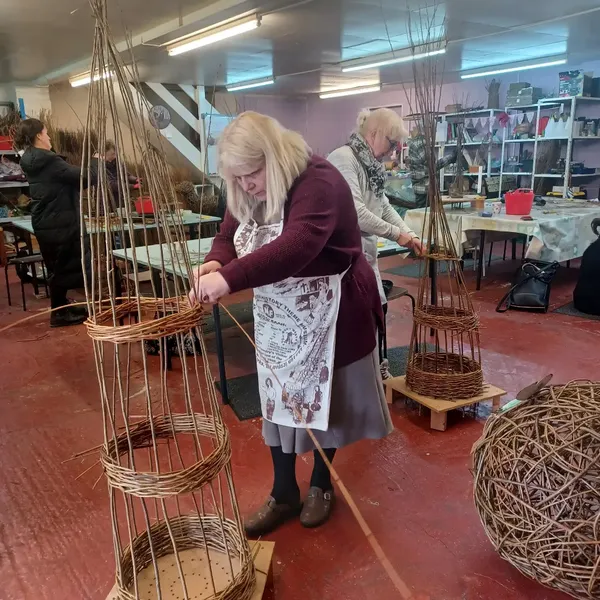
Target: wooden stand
{"type": "Point", "coordinates": [439, 408]}
{"type": "Point", "coordinates": [196, 581]}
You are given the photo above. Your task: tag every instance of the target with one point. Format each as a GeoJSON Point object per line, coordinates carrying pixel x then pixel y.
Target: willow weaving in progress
{"type": "Point", "coordinates": [536, 486]}
{"type": "Point", "coordinates": [444, 310]}
{"type": "Point", "coordinates": [166, 452]}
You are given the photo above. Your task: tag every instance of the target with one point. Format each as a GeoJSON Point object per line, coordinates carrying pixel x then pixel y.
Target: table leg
{"type": "Point", "coordinates": [389, 394]}
{"type": "Point", "coordinates": [28, 242]}
{"type": "Point", "coordinates": [220, 355]}
{"type": "Point", "coordinates": [439, 421]}
{"type": "Point", "coordinates": [496, 404]}
{"type": "Point", "coordinates": [480, 258]}
{"type": "Point", "coordinates": [433, 277]}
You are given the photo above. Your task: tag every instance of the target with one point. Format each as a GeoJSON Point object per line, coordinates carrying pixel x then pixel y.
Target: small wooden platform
{"type": "Point", "coordinates": [196, 582]}
{"type": "Point", "coordinates": [439, 408]}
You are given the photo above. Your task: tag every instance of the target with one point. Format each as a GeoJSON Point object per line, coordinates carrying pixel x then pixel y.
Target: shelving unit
{"type": "Point", "coordinates": [13, 184]}
{"type": "Point", "coordinates": [9, 185]}
{"type": "Point", "coordinates": [562, 105]}
{"type": "Point", "coordinates": [465, 116]}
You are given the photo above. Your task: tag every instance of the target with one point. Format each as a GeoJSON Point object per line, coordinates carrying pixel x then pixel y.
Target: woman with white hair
{"type": "Point", "coordinates": [291, 234]}
{"type": "Point", "coordinates": [379, 132]}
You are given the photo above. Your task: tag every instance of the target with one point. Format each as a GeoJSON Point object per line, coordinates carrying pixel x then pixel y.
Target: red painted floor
{"type": "Point", "coordinates": [414, 488]}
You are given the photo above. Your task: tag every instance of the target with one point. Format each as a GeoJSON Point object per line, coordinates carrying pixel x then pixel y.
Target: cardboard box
{"type": "Point", "coordinates": [524, 96]}
{"type": "Point", "coordinates": [575, 84]}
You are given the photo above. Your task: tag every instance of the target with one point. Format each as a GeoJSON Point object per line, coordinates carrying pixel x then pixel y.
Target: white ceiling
{"type": "Point", "coordinates": [301, 43]}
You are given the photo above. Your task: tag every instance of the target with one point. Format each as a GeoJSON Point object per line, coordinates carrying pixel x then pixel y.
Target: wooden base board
{"type": "Point", "coordinates": [194, 566]}
{"type": "Point", "coordinates": [439, 408]}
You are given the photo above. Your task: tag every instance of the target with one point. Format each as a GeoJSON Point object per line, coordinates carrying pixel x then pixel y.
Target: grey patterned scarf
{"type": "Point", "coordinates": [375, 170]}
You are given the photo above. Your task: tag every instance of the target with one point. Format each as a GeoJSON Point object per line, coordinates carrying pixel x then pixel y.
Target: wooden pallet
{"type": "Point", "coordinates": [439, 408]}
{"type": "Point", "coordinates": [196, 581]}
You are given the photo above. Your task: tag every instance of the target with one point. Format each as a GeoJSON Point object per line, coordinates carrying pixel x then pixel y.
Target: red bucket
{"type": "Point", "coordinates": [144, 206]}
{"type": "Point", "coordinates": [519, 202]}
{"type": "Point", "coordinates": [6, 143]}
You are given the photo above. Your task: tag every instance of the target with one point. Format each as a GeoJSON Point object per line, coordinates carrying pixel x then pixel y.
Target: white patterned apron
{"type": "Point", "coordinates": [294, 323]}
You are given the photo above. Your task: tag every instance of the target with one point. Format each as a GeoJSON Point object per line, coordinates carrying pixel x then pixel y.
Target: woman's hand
{"type": "Point", "coordinates": [205, 269]}
{"type": "Point", "coordinates": [412, 243]}
{"type": "Point", "coordinates": [209, 289]}
{"type": "Point", "coordinates": [417, 246]}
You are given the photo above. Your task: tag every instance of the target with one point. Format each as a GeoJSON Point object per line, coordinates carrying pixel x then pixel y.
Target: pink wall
{"type": "Point", "coordinates": [326, 124]}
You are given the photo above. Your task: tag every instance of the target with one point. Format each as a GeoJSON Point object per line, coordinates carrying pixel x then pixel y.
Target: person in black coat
{"type": "Point", "coordinates": [586, 297]}
{"type": "Point", "coordinates": [54, 189]}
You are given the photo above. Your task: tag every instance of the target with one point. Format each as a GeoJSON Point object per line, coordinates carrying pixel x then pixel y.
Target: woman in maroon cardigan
{"type": "Point", "coordinates": [291, 234]}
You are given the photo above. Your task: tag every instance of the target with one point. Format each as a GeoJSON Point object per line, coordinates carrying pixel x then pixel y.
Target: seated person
{"type": "Point", "coordinates": [586, 297]}
{"type": "Point", "coordinates": [416, 162]}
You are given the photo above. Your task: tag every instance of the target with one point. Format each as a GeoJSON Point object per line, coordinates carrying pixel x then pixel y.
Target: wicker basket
{"type": "Point", "coordinates": [537, 487]}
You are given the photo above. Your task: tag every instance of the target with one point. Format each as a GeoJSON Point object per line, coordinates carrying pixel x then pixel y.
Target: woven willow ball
{"type": "Point", "coordinates": [537, 487]}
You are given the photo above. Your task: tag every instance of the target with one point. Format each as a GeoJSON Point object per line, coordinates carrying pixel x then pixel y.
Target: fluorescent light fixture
{"type": "Point", "coordinates": [384, 62]}
{"type": "Point", "coordinates": [350, 91]}
{"type": "Point", "coordinates": [522, 67]}
{"type": "Point", "coordinates": [86, 78]}
{"type": "Point", "coordinates": [246, 85]}
{"type": "Point", "coordinates": [214, 34]}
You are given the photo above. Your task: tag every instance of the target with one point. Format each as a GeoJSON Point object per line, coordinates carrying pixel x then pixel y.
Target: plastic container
{"type": "Point", "coordinates": [144, 206]}
{"type": "Point", "coordinates": [519, 202]}
{"type": "Point", "coordinates": [6, 143]}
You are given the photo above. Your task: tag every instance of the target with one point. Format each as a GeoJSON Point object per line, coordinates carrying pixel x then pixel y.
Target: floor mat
{"type": "Point", "coordinates": [569, 309]}
{"type": "Point", "coordinates": [243, 396]}
{"type": "Point", "coordinates": [243, 391]}
{"type": "Point", "coordinates": [398, 358]}
{"type": "Point", "coordinates": [241, 311]}
{"type": "Point", "coordinates": [415, 269]}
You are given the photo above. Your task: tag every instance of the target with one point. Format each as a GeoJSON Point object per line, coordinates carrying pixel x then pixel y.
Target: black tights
{"type": "Point", "coordinates": [285, 487]}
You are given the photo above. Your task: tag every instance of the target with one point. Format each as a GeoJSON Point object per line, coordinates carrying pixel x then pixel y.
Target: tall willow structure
{"type": "Point", "coordinates": [177, 531]}
{"type": "Point", "coordinates": [444, 311]}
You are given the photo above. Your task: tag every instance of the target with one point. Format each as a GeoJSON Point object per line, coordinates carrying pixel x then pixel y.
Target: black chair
{"type": "Point", "coordinates": [21, 264]}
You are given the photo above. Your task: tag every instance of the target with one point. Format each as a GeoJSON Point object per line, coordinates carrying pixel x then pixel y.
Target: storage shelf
{"type": "Point", "coordinates": [453, 144]}
{"type": "Point", "coordinates": [568, 99]}
{"type": "Point", "coordinates": [482, 111]}
{"type": "Point", "coordinates": [13, 184]}
{"type": "Point", "coordinates": [524, 107]}
{"type": "Point", "coordinates": [562, 175]}
{"type": "Point", "coordinates": [515, 173]}
{"type": "Point", "coordinates": [467, 174]}
{"type": "Point", "coordinates": [547, 139]}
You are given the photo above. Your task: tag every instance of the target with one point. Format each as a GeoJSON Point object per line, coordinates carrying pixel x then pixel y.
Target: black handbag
{"type": "Point", "coordinates": [531, 287]}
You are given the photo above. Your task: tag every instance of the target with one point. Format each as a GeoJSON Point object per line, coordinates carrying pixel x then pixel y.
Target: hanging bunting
{"type": "Point", "coordinates": [521, 118]}
{"type": "Point", "coordinates": [530, 117]}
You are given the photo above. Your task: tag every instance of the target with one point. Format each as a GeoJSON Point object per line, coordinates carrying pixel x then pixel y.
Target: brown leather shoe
{"type": "Point", "coordinates": [270, 516]}
{"type": "Point", "coordinates": [317, 507]}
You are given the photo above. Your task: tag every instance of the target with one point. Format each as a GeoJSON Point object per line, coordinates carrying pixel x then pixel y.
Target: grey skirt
{"type": "Point", "coordinates": [358, 411]}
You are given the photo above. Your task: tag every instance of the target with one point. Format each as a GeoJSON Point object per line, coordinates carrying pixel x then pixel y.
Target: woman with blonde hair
{"type": "Point", "coordinates": [379, 132]}
{"type": "Point", "coordinates": [291, 234]}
